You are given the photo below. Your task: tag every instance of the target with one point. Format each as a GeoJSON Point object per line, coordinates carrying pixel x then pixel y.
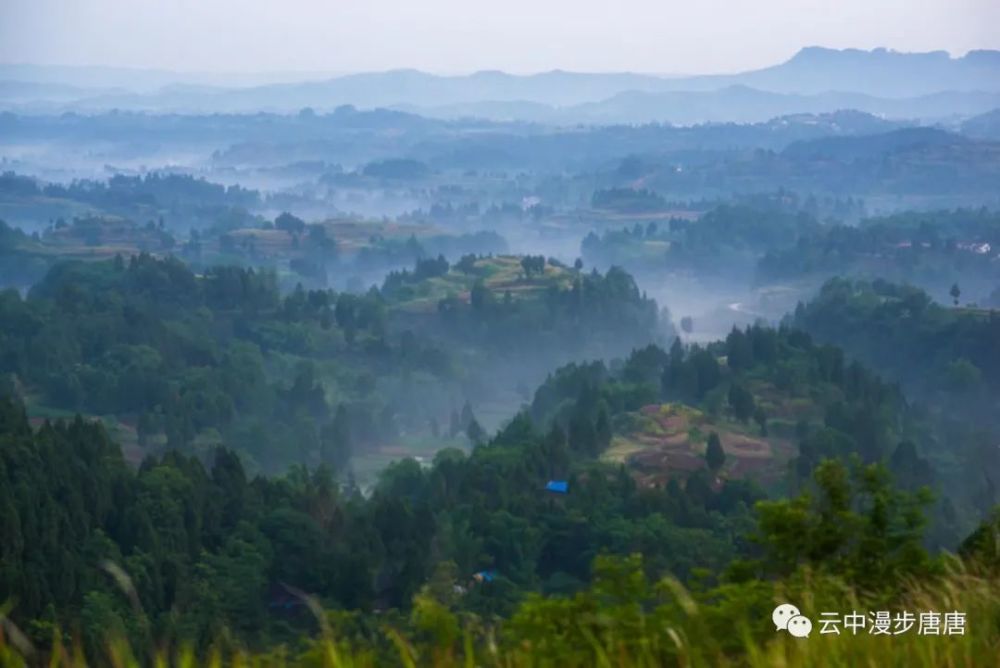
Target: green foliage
{"type": "Point", "coordinates": [206, 549]}
{"type": "Point", "coordinates": [724, 240]}
{"type": "Point", "coordinates": [715, 456]}
{"type": "Point", "coordinates": [930, 249]}
{"type": "Point", "coordinates": [221, 356]}
{"type": "Point", "coordinates": [622, 619]}
{"type": "Point", "coordinates": [947, 359]}
{"type": "Point", "coordinates": [741, 402]}
{"type": "Point", "coordinates": [209, 553]}
{"type": "Point", "coordinates": [201, 551]}
{"type": "Point", "coordinates": [853, 524]}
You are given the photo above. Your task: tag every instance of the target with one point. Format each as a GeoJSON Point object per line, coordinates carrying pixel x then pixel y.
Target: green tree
{"type": "Point", "coordinates": [741, 402]}
{"type": "Point", "coordinates": [602, 427]}
{"type": "Point", "coordinates": [760, 417]}
{"type": "Point", "coordinates": [739, 350]}
{"type": "Point", "coordinates": [480, 296]}
{"type": "Point", "coordinates": [466, 264]}
{"type": "Point", "coordinates": [853, 523]}
{"type": "Point", "coordinates": [289, 223]}
{"type": "Point", "coordinates": [335, 440]}
{"type": "Point", "coordinates": [715, 456]}
{"type": "Point", "coordinates": [475, 432]}
{"type": "Point", "coordinates": [963, 376]}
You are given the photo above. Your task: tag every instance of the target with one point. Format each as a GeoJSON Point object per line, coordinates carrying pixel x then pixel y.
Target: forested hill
{"type": "Point", "coordinates": [185, 361]}
{"type": "Point", "coordinates": [178, 360]}
{"type": "Point", "coordinates": [20, 260]}
{"type": "Point", "coordinates": [948, 356]}
{"type": "Point", "coordinates": [205, 550]}
{"type": "Point", "coordinates": [945, 357]}
{"type": "Point", "coordinates": [493, 303]}
{"type": "Point", "coordinates": [933, 250]}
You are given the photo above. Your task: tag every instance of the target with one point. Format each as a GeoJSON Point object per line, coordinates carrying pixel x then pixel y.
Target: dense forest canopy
{"type": "Point", "coordinates": [210, 478]}
{"type": "Point", "coordinates": [932, 250]}
{"type": "Point", "coordinates": [890, 326]}
{"type": "Point", "coordinates": [186, 360]}
{"type": "Point", "coordinates": [217, 473]}
{"type": "Point", "coordinates": [208, 547]}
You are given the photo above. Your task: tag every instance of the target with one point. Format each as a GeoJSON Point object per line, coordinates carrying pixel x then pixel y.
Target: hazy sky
{"type": "Point", "coordinates": [663, 36]}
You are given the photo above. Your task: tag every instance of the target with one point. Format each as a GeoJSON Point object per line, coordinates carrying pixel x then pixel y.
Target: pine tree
{"type": "Point", "coordinates": [335, 443]}
{"type": "Point", "coordinates": [715, 456]}
{"type": "Point", "coordinates": [475, 432]}
{"type": "Point", "coordinates": [467, 416]}
{"type": "Point", "coordinates": [603, 427]}
{"type": "Point", "coordinates": [741, 401]}
{"type": "Point", "coordinates": [760, 417]}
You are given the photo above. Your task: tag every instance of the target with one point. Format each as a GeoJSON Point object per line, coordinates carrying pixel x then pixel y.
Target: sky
{"type": "Point", "coordinates": [457, 36]}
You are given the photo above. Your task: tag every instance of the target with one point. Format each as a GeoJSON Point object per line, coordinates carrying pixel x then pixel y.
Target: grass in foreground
{"type": "Point", "coordinates": [612, 624]}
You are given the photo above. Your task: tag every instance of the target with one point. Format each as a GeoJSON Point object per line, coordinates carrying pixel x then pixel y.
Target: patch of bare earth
{"type": "Point", "coordinates": [666, 448]}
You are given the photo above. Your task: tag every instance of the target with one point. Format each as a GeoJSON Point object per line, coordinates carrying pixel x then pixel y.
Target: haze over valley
{"type": "Point", "coordinates": [390, 366]}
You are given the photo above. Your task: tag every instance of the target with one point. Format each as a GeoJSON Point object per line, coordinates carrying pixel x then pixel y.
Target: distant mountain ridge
{"type": "Point", "coordinates": [815, 80]}
{"type": "Point", "coordinates": [879, 72]}
{"type": "Point", "coordinates": [742, 104]}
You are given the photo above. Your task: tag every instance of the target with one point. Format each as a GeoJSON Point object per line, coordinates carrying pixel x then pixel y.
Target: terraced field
{"type": "Point", "coordinates": [501, 274]}
{"type": "Point", "coordinates": [352, 235]}
{"type": "Point", "coordinates": [662, 441]}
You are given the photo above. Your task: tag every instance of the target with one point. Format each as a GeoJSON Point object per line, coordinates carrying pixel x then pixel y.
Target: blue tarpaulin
{"type": "Point", "coordinates": [557, 486]}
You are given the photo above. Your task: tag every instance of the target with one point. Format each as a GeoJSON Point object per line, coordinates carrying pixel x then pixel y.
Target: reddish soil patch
{"type": "Point", "coordinates": [667, 451]}
{"type": "Point", "coordinates": [663, 459]}
{"type": "Point", "coordinates": [673, 423]}
{"type": "Point", "coordinates": [746, 447]}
